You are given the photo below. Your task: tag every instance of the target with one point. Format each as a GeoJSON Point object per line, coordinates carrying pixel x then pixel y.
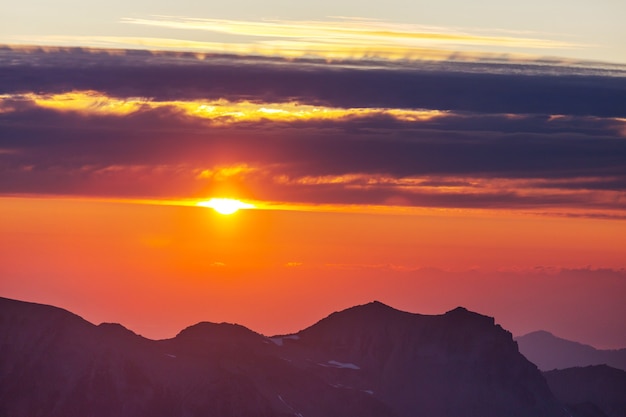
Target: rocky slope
{"type": "Point", "coordinates": [590, 391]}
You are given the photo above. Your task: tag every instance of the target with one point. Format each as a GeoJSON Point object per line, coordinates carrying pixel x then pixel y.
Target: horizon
{"type": "Point", "coordinates": [305, 327]}
{"type": "Point", "coordinates": [164, 162]}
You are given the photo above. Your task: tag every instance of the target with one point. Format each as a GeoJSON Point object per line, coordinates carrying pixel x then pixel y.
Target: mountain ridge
{"type": "Point", "coordinates": [368, 360]}
{"type": "Point", "coordinates": [549, 352]}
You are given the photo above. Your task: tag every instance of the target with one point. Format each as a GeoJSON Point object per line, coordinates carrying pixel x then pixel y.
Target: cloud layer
{"type": "Point", "coordinates": [444, 134]}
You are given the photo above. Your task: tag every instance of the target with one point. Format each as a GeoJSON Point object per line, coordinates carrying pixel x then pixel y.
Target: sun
{"type": "Point", "coordinates": [225, 205]}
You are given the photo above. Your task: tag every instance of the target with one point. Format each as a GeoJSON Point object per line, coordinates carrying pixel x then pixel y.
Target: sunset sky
{"type": "Point", "coordinates": [427, 155]}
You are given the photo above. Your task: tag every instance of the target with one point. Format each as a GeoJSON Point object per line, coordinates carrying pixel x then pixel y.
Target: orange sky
{"type": "Point", "coordinates": [494, 184]}
{"type": "Point", "coordinates": [157, 269]}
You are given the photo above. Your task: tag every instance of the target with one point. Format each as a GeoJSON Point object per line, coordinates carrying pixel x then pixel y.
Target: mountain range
{"type": "Point", "coordinates": [550, 352]}
{"type": "Point", "coordinates": [368, 360]}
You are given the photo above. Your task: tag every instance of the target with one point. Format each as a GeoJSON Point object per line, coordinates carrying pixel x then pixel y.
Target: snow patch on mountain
{"type": "Point", "coordinates": [337, 364]}
{"type": "Point", "coordinates": [279, 341]}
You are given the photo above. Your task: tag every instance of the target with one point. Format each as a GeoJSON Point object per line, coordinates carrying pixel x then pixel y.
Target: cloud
{"type": "Point", "coordinates": [168, 126]}
{"type": "Point", "coordinates": [331, 39]}
{"type": "Point", "coordinates": [150, 154]}
{"type": "Point", "coordinates": [496, 88]}
{"type": "Point", "coordinates": [215, 113]}
{"type": "Point", "coordinates": [375, 33]}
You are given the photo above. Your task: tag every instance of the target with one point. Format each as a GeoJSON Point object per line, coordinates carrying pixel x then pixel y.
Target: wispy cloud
{"type": "Point", "coordinates": [370, 32]}
{"type": "Point", "coordinates": [338, 38]}
{"type": "Point", "coordinates": [329, 49]}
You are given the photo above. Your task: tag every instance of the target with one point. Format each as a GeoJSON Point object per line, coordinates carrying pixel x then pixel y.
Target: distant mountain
{"type": "Point", "coordinates": [369, 360]}
{"type": "Point", "coordinates": [550, 352]}
{"type": "Point", "coordinates": [592, 391]}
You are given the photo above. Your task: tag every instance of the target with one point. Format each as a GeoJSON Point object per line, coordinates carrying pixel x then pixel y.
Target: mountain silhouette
{"type": "Point", "coordinates": [550, 352]}
{"type": "Point", "coordinates": [369, 360]}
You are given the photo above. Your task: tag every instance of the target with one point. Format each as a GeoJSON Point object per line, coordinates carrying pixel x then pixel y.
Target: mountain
{"type": "Point", "coordinates": [369, 360]}
{"type": "Point", "coordinates": [550, 352]}
{"type": "Point", "coordinates": [456, 364]}
{"type": "Point", "coordinates": [591, 391]}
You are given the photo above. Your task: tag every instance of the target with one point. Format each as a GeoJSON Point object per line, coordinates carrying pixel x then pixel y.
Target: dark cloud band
{"type": "Point", "coordinates": [496, 88]}
{"type": "Point", "coordinates": [499, 146]}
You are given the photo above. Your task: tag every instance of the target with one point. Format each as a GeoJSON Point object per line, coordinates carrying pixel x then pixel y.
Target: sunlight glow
{"type": "Point", "coordinates": [216, 112]}
{"type": "Point", "coordinates": [225, 205]}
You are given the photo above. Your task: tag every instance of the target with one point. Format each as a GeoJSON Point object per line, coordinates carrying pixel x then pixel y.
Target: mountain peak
{"type": "Point", "coordinates": [364, 314]}
{"type": "Point", "coordinates": [465, 316]}
{"type": "Point", "coordinates": [374, 306]}
{"type": "Point", "coordinates": [462, 311]}
{"type": "Point", "coordinates": [458, 311]}
{"type": "Point", "coordinates": [377, 303]}
{"type": "Point", "coordinates": [215, 331]}
{"type": "Point", "coordinates": [116, 329]}
{"type": "Point", "coordinates": [541, 333]}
